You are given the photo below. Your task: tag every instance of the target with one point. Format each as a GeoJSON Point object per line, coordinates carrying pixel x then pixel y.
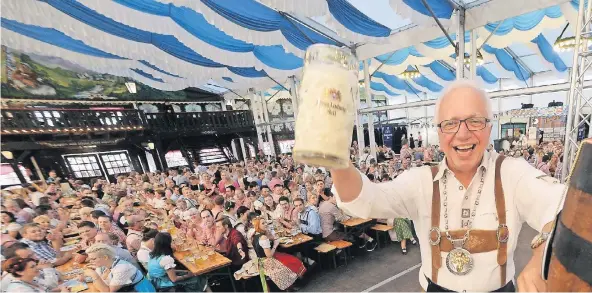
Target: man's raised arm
{"type": "Point", "coordinates": [347, 182]}
{"type": "Point", "coordinates": [360, 197]}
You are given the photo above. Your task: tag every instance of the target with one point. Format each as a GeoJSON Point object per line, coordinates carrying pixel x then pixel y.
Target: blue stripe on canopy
{"type": "Point", "coordinates": [270, 55]}
{"type": "Point", "coordinates": [524, 22]}
{"type": "Point", "coordinates": [56, 38]}
{"type": "Point", "coordinates": [442, 9]}
{"type": "Point", "coordinates": [166, 43]}
{"type": "Point", "coordinates": [253, 15]}
{"type": "Point", "coordinates": [247, 71]}
{"type": "Point", "coordinates": [356, 21]}
{"type": "Point", "coordinates": [507, 62]}
{"type": "Point", "coordinates": [427, 83]}
{"type": "Point", "coordinates": [576, 4]}
{"type": "Point", "coordinates": [277, 88]}
{"type": "Point", "coordinates": [247, 13]}
{"type": "Point", "coordinates": [157, 69]}
{"type": "Point", "coordinates": [442, 42]}
{"type": "Point", "coordinates": [227, 79]}
{"type": "Point", "coordinates": [486, 75]}
{"type": "Point", "coordinates": [301, 36]}
{"type": "Point", "coordinates": [397, 83]}
{"type": "Point", "coordinates": [398, 56]}
{"type": "Point", "coordinates": [199, 27]}
{"type": "Point", "coordinates": [175, 48]}
{"type": "Point", "coordinates": [381, 87]}
{"type": "Point", "coordinates": [146, 75]}
{"type": "Point", "coordinates": [442, 71]}
{"type": "Point", "coordinates": [548, 53]}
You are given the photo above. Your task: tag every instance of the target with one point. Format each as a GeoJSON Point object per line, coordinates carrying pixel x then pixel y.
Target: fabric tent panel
{"type": "Point", "coordinates": [146, 75]}
{"type": "Point", "coordinates": [396, 82]}
{"type": "Point", "coordinates": [523, 22]}
{"type": "Point", "coordinates": [55, 37]}
{"type": "Point", "coordinates": [157, 69]}
{"type": "Point", "coordinates": [441, 9]}
{"type": "Point", "coordinates": [549, 53]}
{"type": "Point", "coordinates": [354, 20]}
{"type": "Point", "coordinates": [507, 62]}
{"type": "Point", "coordinates": [29, 12]}
{"type": "Point", "coordinates": [166, 43]}
{"type": "Point", "coordinates": [381, 88]}
{"type": "Point", "coordinates": [247, 13]}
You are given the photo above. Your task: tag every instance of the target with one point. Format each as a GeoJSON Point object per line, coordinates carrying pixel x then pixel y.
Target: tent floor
{"type": "Point", "coordinates": [374, 270]}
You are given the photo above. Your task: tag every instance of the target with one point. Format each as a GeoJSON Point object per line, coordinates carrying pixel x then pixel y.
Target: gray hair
{"type": "Point", "coordinates": [102, 250]}
{"type": "Point", "coordinates": [464, 83]}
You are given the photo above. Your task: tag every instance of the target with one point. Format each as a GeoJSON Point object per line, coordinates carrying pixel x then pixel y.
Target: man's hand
{"type": "Point", "coordinates": [530, 279]}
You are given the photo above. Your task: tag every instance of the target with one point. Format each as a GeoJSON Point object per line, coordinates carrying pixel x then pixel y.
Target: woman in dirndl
{"type": "Point", "coordinates": [282, 268]}
{"type": "Point", "coordinates": [162, 272]}
{"type": "Point", "coordinates": [401, 232]}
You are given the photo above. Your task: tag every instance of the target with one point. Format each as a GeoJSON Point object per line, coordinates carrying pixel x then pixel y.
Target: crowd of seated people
{"type": "Point", "coordinates": [115, 230]}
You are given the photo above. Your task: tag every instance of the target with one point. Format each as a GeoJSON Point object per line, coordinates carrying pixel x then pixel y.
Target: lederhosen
{"type": "Point", "coordinates": [479, 241]}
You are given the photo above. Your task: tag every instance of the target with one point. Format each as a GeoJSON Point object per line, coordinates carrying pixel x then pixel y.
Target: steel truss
{"type": "Point", "coordinates": [578, 103]}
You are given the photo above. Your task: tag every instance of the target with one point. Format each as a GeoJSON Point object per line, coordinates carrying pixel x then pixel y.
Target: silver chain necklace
{"type": "Point", "coordinates": [459, 260]}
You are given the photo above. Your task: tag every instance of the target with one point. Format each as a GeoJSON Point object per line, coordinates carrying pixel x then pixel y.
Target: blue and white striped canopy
{"type": "Point", "coordinates": [241, 44]}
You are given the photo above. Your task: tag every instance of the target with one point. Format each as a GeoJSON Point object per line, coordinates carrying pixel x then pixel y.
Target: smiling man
{"type": "Point", "coordinates": [469, 210]}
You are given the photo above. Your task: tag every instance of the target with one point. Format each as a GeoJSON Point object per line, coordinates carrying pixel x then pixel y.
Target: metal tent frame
{"type": "Point", "coordinates": [577, 101]}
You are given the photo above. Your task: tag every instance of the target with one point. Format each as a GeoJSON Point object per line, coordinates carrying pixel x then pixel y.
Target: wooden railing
{"type": "Point", "coordinates": [44, 121]}
{"type": "Point", "coordinates": [200, 121]}
{"type": "Point", "coordinates": [33, 121]}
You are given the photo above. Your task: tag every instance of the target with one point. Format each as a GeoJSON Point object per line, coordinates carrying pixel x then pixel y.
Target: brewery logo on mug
{"type": "Point", "coordinates": [334, 94]}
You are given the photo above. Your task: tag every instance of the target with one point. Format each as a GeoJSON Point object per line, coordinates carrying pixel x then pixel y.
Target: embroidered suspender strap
{"type": "Point", "coordinates": [435, 230]}
{"type": "Point", "coordinates": [503, 233]}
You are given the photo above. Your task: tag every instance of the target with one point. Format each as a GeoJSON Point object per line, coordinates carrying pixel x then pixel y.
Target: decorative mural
{"type": "Point", "coordinates": [34, 76]}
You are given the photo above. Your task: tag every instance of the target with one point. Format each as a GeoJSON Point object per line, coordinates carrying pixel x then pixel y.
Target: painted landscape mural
{"type": "Point", "coordinates": [34, 76]}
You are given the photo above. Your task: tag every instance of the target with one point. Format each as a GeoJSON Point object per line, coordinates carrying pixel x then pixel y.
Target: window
{"type": "Point", "coordinates": [84, 166]}
{"type": "Point", "coordinates": [286, 146]}
{"type": "Point", "coordinates": [9, 177]}
{"type": "Point", "coordinates": [116, 163]}
{"type": "Point", "coordinates": [175, 159]}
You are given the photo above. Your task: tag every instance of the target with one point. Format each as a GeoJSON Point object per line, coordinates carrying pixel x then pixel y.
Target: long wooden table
{"type": "Point", "coordinates": [354, 222]}
{"type": "Point", "coordinates": [296, 240]}
{"type": "Point", "coordinates": [201, 261]}
{"type": "Point", "coordinates": [70, 266]}
{"type": "Point", "coordinates": [200, 264]}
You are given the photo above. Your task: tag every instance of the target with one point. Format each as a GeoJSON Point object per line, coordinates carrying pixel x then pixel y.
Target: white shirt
{"type": "Point", "coordinates": [186, 214]}
{"type": "Point", "coordinates": [158, 203]}
{"type": "Point", "coordinates": [528, 199]}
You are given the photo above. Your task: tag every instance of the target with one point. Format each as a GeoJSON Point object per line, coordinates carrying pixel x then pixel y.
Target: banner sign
{"type": "Point", "coordinates": [387, 136]}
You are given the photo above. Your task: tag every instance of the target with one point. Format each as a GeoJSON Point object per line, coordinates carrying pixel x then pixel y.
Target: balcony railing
{"type": "Point", "coordinates": [44, 121]}
{"type": "Point", "coordinates": [48, 121]}
{"type": "Point", "coordinates": [204, 122]}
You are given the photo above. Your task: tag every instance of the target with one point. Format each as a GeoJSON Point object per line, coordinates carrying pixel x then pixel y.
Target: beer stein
{"type": "Point", "coordinates": [325, 119]}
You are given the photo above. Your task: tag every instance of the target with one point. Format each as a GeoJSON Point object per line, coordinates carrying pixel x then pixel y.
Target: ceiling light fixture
{"type": "Point", "coordinates": [410, 74]}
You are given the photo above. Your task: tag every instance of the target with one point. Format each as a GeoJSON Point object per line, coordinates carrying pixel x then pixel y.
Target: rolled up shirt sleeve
{"type": "Point", "coordinates": [538, 196]}
{"type": "Point", "coordinates": [393, 199]}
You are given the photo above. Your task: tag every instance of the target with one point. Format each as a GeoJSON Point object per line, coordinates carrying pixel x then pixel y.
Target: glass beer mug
{"type": "Point", "coordinates": [325, 119]}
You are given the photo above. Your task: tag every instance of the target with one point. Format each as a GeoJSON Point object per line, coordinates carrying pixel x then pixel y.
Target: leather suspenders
{"type": "Point", "coordinates": [479, 240]}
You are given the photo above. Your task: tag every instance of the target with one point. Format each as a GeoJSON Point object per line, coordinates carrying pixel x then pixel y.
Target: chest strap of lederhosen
{"type": "Point", "coordinates": [304, 217]}
{"type": "Point", "coordinates": [479, 240]}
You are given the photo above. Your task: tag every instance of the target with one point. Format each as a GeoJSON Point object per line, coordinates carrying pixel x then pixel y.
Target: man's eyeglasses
{"type": "Point", "coordinates": [473, 124]}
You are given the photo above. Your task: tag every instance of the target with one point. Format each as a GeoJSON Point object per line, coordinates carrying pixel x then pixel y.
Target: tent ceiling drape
{"type": "Point", "coordinates": [242, 44]}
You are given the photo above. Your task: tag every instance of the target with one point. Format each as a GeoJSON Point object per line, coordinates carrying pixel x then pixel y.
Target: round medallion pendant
{"type": "Point", "coordinates": [459, 261]}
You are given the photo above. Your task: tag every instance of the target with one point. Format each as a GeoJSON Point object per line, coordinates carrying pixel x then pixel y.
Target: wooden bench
{"type": "Point", "coordinates": [343, 245]}
{"type": "Point", "coordinates": [325, 248]}
{"type": "Point", "coordinates": [381, 229]}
